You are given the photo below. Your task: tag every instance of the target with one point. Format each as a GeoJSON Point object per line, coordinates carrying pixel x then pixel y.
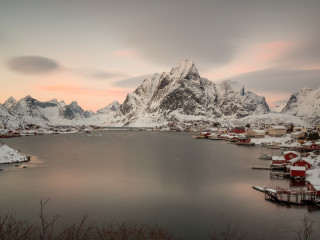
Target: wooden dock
{"type": "Point", "coordinates": [268, 168]}
{"type": "Point", "coordinates": [261, 168]}
{"type": "Point", "coordinates": [289, 196]}
{"type": "Point", "coordinates": [279, 175]}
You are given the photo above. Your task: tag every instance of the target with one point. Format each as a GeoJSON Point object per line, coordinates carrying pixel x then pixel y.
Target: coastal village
{"type": "Point", "coordinates": [300, 158]}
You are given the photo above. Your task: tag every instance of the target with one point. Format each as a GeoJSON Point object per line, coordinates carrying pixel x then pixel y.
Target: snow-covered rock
{"type": "Point", "coordinates": [305, 104]}
{"type": "Point", "coordinates": [10, 155]}
{"type": "Point", "coordinates": [9, 121]}
{"type": "Point", "coordinates": [111, 108]}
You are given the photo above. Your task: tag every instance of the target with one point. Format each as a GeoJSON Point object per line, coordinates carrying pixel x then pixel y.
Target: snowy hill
{"type": "Point", "coordinates": [305, 104]}
{"type": "Point", "coordinates": [182, 94]}
{"type": "Point", "coordinates": [111, 108]}
{"type": "Point", "coordinates": [267, 119]}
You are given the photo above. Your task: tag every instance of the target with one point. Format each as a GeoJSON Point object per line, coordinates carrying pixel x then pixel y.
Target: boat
{"type": "Point", "coordinates": [202, 135]}
{"type": "Point", "coordinates": [5, 136]}
{"type": "Point", "coordinates": [199, 136]}
{"type": "Point", "coordinates": [265, 156]}
{"type": "Point", "coordinates": [260, 189]}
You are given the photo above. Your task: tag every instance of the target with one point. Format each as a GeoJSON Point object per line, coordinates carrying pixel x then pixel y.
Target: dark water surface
{"type": "Point", "coordinates": [164, 178]}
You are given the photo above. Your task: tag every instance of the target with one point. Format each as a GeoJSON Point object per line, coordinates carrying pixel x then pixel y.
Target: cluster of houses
{"type": "Point", "coordinates": [298, 134]}
{"type": "Point", "coordinates": [299, 166]}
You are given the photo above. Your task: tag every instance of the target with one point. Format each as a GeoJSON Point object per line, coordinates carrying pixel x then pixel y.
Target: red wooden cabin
{"type": "Point", "coordinates": [239, 130]}
{"type": "Point", "coordinates": [297, 172]}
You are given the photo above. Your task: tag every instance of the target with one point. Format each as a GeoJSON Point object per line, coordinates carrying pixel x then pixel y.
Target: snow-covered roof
{"type": "Point", "coordinates": [296, 133]}
{"type": "Point", "coordinates": [294, 152]}
{"type": "Point", "coordinates": [280, 127]}
{"type": "Point", "coordinates": [259, 131]}
{"type": "Point", "coordinates": [297, 168]}
{"type": "Point", "coordinates": [308, 160]}
{"type": "Point", "coordinates": [293, 160]}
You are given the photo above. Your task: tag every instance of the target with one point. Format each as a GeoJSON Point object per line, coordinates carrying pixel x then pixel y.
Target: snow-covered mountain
{"type": "Point", "coordinates": [305, 104]}
{"type": "Point", "coordinates": [179, 95]}
{"type": "Point", "coordinates": [28, 111]}
{"type": "Point", "coordinates": [182, 94]}
{"type": "Point", "coordinates": [9, 121]}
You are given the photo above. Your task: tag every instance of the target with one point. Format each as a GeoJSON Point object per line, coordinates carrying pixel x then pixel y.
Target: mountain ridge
{"type": "Point", "coordinates": [180, 94]}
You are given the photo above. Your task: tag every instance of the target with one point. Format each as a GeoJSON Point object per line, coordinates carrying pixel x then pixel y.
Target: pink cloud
{"type": "Point", "coordinates": [273, 99]}
{"type": "Point", "coordinates": [258, 57]}
{"type": "Point", "coordinates": [270, 51]}
{"type": "Point", "coordinates": [127, 53]}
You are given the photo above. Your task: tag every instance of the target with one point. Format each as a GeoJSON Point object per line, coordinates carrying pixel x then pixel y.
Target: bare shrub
{"type": "Point", "coordinates": [13, 229]}
{"type": "Point", "coordinates": [305, 228]}
{"type": "Point", "coordinates": [229, 231]}
{"type": "Point", "coordinates": [80, 231]}
{"type": "Point", "coordinates": [45, 231]}
{"type": "Point", "coordinates": [132, 231]}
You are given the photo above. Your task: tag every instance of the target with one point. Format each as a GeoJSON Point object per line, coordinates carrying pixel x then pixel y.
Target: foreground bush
{"type": "Point", "coordinates": [13, 229]}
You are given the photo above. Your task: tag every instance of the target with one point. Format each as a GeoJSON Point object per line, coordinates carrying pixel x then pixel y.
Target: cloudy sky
{"type": "Point", "coordinates": [96, 51]}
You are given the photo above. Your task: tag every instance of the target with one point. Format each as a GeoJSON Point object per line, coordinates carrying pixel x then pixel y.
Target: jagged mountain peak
{"type": "Point", "coordinates": [185, 69]}
{"type": "Point", "coordinates": [9, 102]}
{"type": "Point", "coordinates": [27, 98]}
{"type": "Point", "coordinates": [74, 104]}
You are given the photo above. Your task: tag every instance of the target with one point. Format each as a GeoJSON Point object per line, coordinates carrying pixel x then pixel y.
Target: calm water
{"type": "Point", "coordinates": [187, 185]}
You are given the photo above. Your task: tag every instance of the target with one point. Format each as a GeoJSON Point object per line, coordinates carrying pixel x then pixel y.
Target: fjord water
{"type": "Point", "coordinates": [187, 185]}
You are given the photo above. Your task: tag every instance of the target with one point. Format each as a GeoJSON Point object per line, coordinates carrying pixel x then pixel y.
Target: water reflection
{"type": "Point", "coordinates": [164, 178]}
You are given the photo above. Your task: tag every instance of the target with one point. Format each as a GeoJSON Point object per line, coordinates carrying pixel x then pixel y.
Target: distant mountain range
{"type": "Point", "coordinates": [178, 95]}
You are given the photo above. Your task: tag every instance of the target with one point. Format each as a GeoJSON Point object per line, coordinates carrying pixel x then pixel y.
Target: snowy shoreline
{"type": "Point", "coordinates": [9, 155]}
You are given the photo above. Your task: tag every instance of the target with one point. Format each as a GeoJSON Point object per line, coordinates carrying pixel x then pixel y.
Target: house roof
{"type": "Point", "coordinates": [308, 160]}
{"type": "Point", "coordinates": [293, 160]}
{"type": "Point", "coordinates": [279, 127]}
{"type": "Point", "coordinates": [297, 168]}
{"type": "Point", "coordinates": [278, 158]}
{"type": "Point", "coordinates": [259, 131]}
{"type": "Point", "coordinates": [296, 133]}
{"type": "Point", "coordinates": [294, 152]}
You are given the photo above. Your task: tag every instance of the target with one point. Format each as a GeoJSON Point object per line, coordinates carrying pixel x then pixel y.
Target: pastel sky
{"type": "Point", "coordinates": [96, 51]}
